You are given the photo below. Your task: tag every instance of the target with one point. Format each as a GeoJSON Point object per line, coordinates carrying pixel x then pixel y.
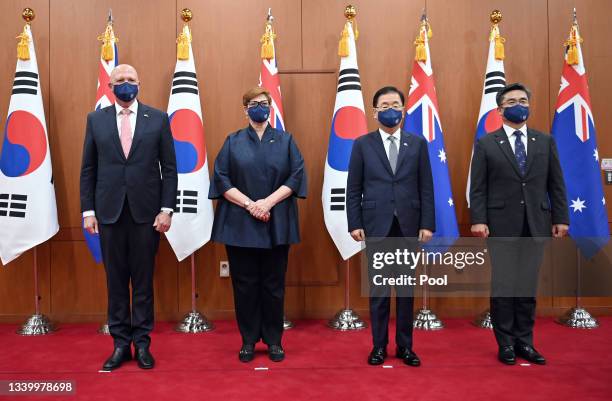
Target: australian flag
{"type": "Point", "coordinates": [269, 80]}
{"type": "Point", "coordinates": [574, 131]}
{"type": "Point", "coordinates": [423, 119]}
{"type": "Point", "coordinates": [104, 97]}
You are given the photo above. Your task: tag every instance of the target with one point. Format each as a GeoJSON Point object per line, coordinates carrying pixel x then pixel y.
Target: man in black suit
{"type": "Point", "coordinates": [390, 194]}
{"type": "Point", "coordinates": [128, 194]}
{"type": "Point", "coordinates": [517, 190]}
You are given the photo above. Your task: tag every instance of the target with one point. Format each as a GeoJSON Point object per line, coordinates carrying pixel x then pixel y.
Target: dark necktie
{"type": "Point", "coordinates": [520, 152]}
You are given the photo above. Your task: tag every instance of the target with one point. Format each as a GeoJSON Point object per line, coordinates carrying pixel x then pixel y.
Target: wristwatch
{"type": "Point", "coordinates": [168, 212]}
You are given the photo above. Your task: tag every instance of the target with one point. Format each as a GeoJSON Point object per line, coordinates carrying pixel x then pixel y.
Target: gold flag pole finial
{"type": "Point", "coordinates": [571, 44]}
{"type": "Point", "coordinates": [267, 39]}
{"type": "Point", "coordinates": [350, 12]}
{"type": "Point", "coordinates": [184, 38]}
{"type": "Point", "coordinates": [423, 35]}
{"type": "Point", "coordinates": [108, 39]}
{"type": "Point", "coordinates": [496, 18]}
{"type": "Point", "coordinates": [23, 47]}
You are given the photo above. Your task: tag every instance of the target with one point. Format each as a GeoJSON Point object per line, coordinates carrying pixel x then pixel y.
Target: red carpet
{"type": "Point", "coordinates": [459, 363]}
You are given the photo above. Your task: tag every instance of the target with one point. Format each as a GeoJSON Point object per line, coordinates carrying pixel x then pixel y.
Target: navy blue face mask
{"type": "Point", "coordinates": [259, 113]}
{"type": "Point", "coordinates": [390, 117]}
{"type": "Point", "coordinates": [125, 91]}
{"type": "Point", "coordinates": [517, 113]}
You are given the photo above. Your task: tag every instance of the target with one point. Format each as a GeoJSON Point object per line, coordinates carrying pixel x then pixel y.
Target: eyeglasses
{"type": "Point", "coordinates": [514, 102]}
{"type": "Point", "coordinates": [394, 106]}
{"type": "Point", "coordinates": [263, 103]}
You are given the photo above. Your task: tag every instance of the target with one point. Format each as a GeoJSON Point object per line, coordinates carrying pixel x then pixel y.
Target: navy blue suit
{"type": "Point", "coordinates": [126, 195]}
{"type": "Point", "coordinates": [385, 204]}
{"type": "Point", "coordinates": [108, 178]}
{"type": "Point", "coordinates": [258, 251]}
{"type": "Point", "coordinates": [375, 193]}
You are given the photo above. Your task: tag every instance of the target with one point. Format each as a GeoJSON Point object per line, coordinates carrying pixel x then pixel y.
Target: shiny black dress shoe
{"type": "Point", "coordinates": [409, 357]}
{"type": "Point", "coordinates": [506, 355]}
{"type": "Point", "coordinates": [144, 358]}
{"type": "Point", "coordinates": [377, 356]}
{"type": "Point", "coordinates": [276, 353]}
{"type": "Point", "coordinates": [529, 353]}
{"type": "Point", "coordinates": [247, 353]}
{"type": "Point", "coordinates": [120, 355]}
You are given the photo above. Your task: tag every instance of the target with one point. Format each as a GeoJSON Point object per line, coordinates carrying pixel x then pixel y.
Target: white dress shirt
{"type": "Point", "coordinates": [387, 142]}
{"type": "Point", "coordinates": [134, 111]}
{"type": "Point", "coordinates": [512, 138]}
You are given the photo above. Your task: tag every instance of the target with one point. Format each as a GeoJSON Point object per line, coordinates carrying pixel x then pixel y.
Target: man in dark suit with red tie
{"type": "Point", "coordinates": [518, 198]}
{"type": "Point", "coordinates": [390, 194]}
{"type": "Point", "coordinates": [128, 194]}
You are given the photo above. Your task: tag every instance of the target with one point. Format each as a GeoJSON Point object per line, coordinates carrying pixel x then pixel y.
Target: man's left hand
{"type": "Point", "coordinates": [559, 230]}
{"type": "Point", "coordinates": [162, 222]}
{"type": "Point", "coordinates": [425, 235]}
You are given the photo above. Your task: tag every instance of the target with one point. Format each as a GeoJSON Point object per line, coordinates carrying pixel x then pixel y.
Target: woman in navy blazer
{"type": "Point", "coordinates": [258, 174]}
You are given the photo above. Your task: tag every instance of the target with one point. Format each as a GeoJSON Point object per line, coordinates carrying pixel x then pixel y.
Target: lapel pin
{"type": "Point", "coordinates": [405, 144]}
{"type": "Point", "coordinates": [533, 139]}
{"type": "Point", "coordinates": [146, 115]}
{"type": "Point", "coordinates": [501, 142]}
{"type": "Point", "coordinates": [271, 140]}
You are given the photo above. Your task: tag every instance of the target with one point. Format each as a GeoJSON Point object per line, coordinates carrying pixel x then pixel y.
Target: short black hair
{"type": "Point", "coordinates": [511, 87]}
{"type": "Point", "coordinates": [383, 91]}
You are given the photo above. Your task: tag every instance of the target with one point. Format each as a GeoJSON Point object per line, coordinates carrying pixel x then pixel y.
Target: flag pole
{"type": "Point", "coordinates": [194, 321]}
{"type": "Point", "coordinates": [347, 319]}
{"type": "Point", "coordinates": [578, 317]}
{"type": "Point", "coordinates": [37, 324]}
{"type": "Point", "coordinates": [425, 318]}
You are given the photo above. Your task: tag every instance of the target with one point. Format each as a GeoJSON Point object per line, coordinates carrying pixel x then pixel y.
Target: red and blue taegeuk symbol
{"type": "Point", "coordinates": [189, 143]}
{"type": "Point", "coordinates": [25, 144]}
{"type": "Point", "coordinates": [348, 124]}
{"type": "Point", "coordinates": [491, 121]}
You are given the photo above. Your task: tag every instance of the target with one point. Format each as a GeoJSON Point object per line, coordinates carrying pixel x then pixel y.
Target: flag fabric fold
{"type": "Point", "coordinates": [193, 217]}
{"type": "Point", "coordinates": [348, 123]}
{"type": "Point", "coordinates": [28, 209]}
{"type": "Point", "coordinates": [574, 131]}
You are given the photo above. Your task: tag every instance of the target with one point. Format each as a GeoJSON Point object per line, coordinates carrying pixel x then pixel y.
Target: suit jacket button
{"type": "Point", "coordinates": [523, 184]}
{"type": "Point", "coordinates": [522, 202]}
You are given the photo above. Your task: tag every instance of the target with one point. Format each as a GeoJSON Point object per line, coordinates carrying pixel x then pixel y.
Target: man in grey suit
{"type": "Point", "coordinates": [517, 190]}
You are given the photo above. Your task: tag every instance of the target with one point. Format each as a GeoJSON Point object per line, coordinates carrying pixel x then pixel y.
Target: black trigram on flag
{"type": "Point", "coordinates": [25, 83]}
{"type": "Point", "coordinates": [184, 82]}
{"type": "Point", "coordinates": [13, 205]}
{"type": "Point", "coordinates": [187, 201]}
{"type": "Point", "coordinates": [338, 199]}
{"type": "Point", "coordinates": [494, 81]}
{"type": "Point", "coordinates": [349, 79]}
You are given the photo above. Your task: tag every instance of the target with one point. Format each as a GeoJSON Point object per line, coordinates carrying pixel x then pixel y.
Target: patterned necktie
{"type": "Point", "coordinates": [519, 152]}
{"type": "Point", "coordinates": [392, 153]}
{"type": "Point", "coordinates": [126, 131]}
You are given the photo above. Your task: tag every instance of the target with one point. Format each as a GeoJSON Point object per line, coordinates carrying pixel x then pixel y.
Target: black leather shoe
{"type": "Point", "coordinates": [377, 356]}
{"type": "Point", "coordinates": [506, 355]}
{"type": "Point", "coordinates": [144, 358]}
{"type": "Point", "coordinates": [276, 353]}
{"type": "Point", "coordinates": [529, 353]}
{"type": "Point", "coordinates": [247, 353]}
{"type": "Point", "coordinates": [409, 357]}
{"type": "Point", "coordinates": [120, 355]}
